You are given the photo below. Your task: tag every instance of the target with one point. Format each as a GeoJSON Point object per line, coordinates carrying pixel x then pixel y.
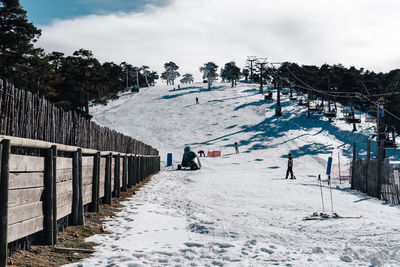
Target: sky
{"type": "Point", "coordinates": [360, 33]}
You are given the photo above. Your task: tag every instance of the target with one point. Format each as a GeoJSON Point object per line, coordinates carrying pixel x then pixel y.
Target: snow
{"type": "Point", "coordinates": [238, 210]}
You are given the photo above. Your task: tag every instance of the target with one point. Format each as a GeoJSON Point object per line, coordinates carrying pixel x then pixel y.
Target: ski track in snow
{"type": "Point", "coordinates": [238, 210]}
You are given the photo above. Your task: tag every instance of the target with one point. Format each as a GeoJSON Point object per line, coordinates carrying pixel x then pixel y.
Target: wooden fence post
{"type": "Point", "coordinates": [48, 207]}
{"type": "Point", "coordinates": [353, 167]}
{"type": "Point", "coordinates": [75, 189]}
{"type": "Point", "coordinates": [129, 171]}
{"type": "Point", "coordinates": [138, 169]}
{"type": "Point", "coordinates": [117, 185]}
{"type": "Point", "coordinates": [77, 202]}
{"type": "Point", "coordinates": [124, 174]}
{"type": "Point", "coordinates": [143, 169]}
{"type": "Point", "coordinates": [94, 207]}
{"type": "Point", "coordinates": [81, 218]}
{"type": "Point", "coordinates": [4, 175]}
{"type": "Point", "coordinates": [55, 225]}
{"type": "Point", "coordinates": [381, 158]}
{"type": "Point", "coordinates": [107, 184]}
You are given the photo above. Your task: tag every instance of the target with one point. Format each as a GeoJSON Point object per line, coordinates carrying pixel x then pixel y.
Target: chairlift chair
{"type": "Point", "coordinates": [387, 133]}
{"type": "Point", "coordinates": [331, 113]}
{"type": "Point", "coordinates": [352, 117]}
{"type": "Point", "coordinates": [315, 107]}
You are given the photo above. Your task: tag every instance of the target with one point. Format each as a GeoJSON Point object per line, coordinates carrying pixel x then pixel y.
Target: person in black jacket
{"type": "Point", "coordinates": [290, 167]}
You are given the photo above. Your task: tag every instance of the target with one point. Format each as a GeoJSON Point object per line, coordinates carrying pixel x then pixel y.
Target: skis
{"type": "Point", "coordinates": [323, 216]}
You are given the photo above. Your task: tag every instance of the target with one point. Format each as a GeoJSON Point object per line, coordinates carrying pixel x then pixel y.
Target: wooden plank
{"type": "Point", "coordinates": [22, 163]}
{"type": "Point", "coordinates": [63, 175]}
{"type": "Point", "coordinates": [64, 199]}
{"type": "Point", "coordinates": [87, 161]}
{"type": "Point", "coordinates": [64, 211]}
{"type": "Point", "coordinates": [25, 228]}
{"type": "Point", "coordinates": [101, 189]}
{"type": "Point", "coordinates": [24, 196]}
{"type": "Point", "coordinates": [87, 175]}
{"type": "Point", "coordinates": [64, 163]}
{"type": "Point", "coordinates": [103, 162]}
{"type": "Point", "coordinates": [87, 194]}
{"type": "Point", "coordinates": [20, 180]}
{"type": "Point", "coordinates": [64, 187]}
{"type": "Point", "coordinates": [25, 212]}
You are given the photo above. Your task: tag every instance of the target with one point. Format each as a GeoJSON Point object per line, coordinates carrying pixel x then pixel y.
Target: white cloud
{"type": "Point", "coordinates": [362, 33]}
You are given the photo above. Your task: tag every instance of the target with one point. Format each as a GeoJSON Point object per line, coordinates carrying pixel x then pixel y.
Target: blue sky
{"type": "Point", "coordinates": [43, 12]}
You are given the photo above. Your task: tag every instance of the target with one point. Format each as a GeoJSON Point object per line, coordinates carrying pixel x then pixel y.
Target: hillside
{"type": "Point", "coordinates": [238, 210]}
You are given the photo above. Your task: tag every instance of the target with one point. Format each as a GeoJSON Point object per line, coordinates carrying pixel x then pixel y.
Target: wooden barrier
{"type": "Point", "coordinates": [27, 115]}
{"type": "Point", "coordinates": [37, 191]}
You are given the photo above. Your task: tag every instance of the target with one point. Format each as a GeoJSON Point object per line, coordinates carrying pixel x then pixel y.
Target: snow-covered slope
{"type": "Point", "coordinates": [238, 210]}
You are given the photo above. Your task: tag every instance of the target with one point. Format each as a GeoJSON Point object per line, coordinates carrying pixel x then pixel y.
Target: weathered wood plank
{"type": "Point", "coordinates": [25, 212]}
{"type": "Point", "coordinates": [102, 162]}
{"type": "Point", "coordinates": [20, 180]}
{"type": "Point", "coordinates": [101, 188]}
{"type": "Point", "coordinates": [64, 187]}
{"type": "Point", "coordinates": [64, 163]}
{"type": "Point", "coordinates": [87, 161]}
{"type": "Point", "coordinates": [64, 199]}
{"type": "Point", "coordinates": [25, 228]}
{"type": "Point", "coordinates": [87, 175]}
{"type": "Point", "coordinates": [64, 211]}
{"type": "Point", "coordinates": [22, 163]}
{"type": "Point", "coordinates": [24, 196]}
{"type": "Point", "coordinates": [63, 175]}
{"type": "Point", "coordinates": [87, 194]}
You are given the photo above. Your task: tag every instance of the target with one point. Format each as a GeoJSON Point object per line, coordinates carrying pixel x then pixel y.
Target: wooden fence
{"type": "Point", "coordinates": [365, 176]}
{"type": "Point", "coordinates": [36, 192]}
{"type": "Point", "coordinates": [375, 177]}
{"type": "Point", "coordinates": [24, 114]}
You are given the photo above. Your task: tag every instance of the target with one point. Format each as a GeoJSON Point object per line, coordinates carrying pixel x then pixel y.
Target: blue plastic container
{"type": "Point", "coordinates": [169, 159]}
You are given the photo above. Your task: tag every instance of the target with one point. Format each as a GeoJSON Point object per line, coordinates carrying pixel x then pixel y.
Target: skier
{"type": "Point", "coordinates": [290, 167]}
{"type": "Point", "coordinates": [197, 100]}
{"type": "Point", "coordinates": [236, 148]}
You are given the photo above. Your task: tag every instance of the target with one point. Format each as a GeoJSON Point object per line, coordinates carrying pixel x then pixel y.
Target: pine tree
{"type": "Point", "coordinates": [17, 36]}
{"type": "Point", "coordinates": [170, 73]}
{"type": "Point", "coordinates": [209, 72]}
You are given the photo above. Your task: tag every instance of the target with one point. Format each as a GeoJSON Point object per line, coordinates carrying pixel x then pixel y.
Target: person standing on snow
{"type": "Point", "coordinates": [236, 147]}
{"type": "Point", "coordinates": [197, 100]}
{"type": "Point", "coordinates": [290, 167]}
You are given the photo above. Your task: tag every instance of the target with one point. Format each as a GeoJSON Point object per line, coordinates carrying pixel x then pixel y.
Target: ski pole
{"type": "Point", "coordinates": [330, 189]}
{"type": "Point", "coordinates": [322, 196]}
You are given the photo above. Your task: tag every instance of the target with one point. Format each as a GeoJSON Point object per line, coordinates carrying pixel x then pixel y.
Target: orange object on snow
{"type": "Point", "coordinates": [214, 154]}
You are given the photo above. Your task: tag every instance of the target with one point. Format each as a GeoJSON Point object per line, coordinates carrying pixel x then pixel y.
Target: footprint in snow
{"type": "Point", "coordinates": [266, 250]}
{"type": "Point", "coordinates": [192, 244]}
{"type": "Point", "coordinates": [224, 245]}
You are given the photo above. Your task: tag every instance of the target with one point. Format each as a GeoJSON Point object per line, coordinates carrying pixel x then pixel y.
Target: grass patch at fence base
{"type": "Point", "coordinates": [72, 238]}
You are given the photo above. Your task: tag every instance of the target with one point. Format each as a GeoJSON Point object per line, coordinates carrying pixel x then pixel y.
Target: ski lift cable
{"type": "Point", "coordinates": [333, 93]}
{"type": "Point", "coordinates": [377, 103]}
